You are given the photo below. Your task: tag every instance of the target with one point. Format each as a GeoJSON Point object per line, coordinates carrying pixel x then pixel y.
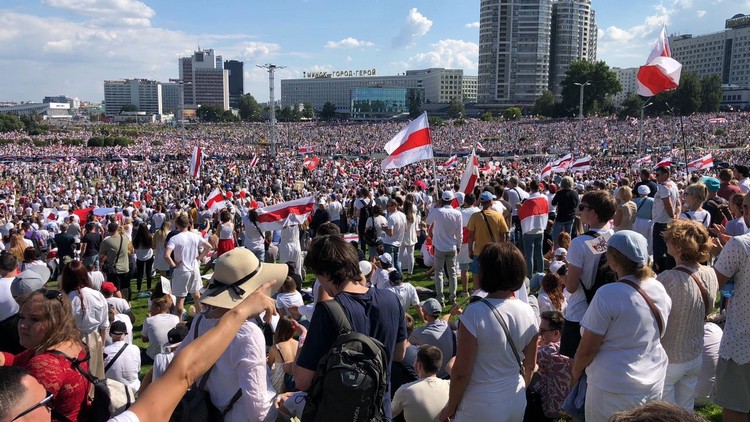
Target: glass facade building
{"type": "Point", "coordinates": [378, 103]}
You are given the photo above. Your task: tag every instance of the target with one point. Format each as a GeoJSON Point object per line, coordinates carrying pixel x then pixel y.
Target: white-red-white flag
{"type": "Point", "coordinates": [561, 165]}
{"type": "Point", "coordinates": [717, 120]}
{"type": "Point", "coordinates": [215, 200]}
{"type": "Point", "coordinates": [275, 217]}
{"type": "Point", "coordinates": [254, 161]}
{"type": "Point", "coordinates": [707, 161]}
{"type": "Point", "coordinates": [306, 150]}
{"type": "Point", "coordinates": [582, 164]}
{"type": "Point", "coordinates": [546, 171]}
{"type": "Point", "coordinates": [643, 160]}
{"type": "Point", "coordinates": [661, 72]}
{"type": "Point", "coordinates": [311, 163]}
{"type": "Point", "coordinates": [451, 161]}
{"type": "Point", "coordinates": [667, 162]}
{"type": "Point", "coordinates": [413, 143]}
{"type": "Point", "coordinates": [471, 174]}
{"type": "Point", "coordinates": [480, 147]}
{"type": "Point", "coordinates": [196, 159]}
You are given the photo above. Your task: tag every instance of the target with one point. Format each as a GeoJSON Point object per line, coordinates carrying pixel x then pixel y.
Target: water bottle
{"type": "Point", "coordinates": [727, 290]}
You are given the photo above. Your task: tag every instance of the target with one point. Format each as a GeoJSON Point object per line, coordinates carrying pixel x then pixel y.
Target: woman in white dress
{"type": "Point", "coordinates": [406, 252]}
{"type": "Point", "coordinates": [160, 244]}
{"type": "Point", "coordinates": [289, 247]}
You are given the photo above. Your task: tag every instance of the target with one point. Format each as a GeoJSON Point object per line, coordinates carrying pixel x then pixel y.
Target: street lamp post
{"type": "Point", "coordinates": [580, 100]}
{"type": "Point", "coordinates": [640, 125]}
{"type": "Point", "coordinates": [272, 104]}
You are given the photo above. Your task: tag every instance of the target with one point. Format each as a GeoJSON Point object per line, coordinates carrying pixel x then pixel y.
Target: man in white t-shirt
{"type": "Point", "coordinates": [123, 360]}
{"type": "Point", "coordinates": [665, 209]}
{"type": "Point", "coordinates": [334, 211]}
{"type": "Point", "coordinates": [424, 399]}
{"type": "Point", "coordinates": [514, 194]}
{"type": "Point", "coordinates": [394, 233]}
{"type": "Point", "coordinates": [9, 340]}
{"type": "Point", "coordinates": [189, 248]}
{"type": "Point", "coordinates": [118, 304]}
{"type": "Point", "coordinates": [596, 208]}
{"type": "Point", "coordinates": [468, 209]}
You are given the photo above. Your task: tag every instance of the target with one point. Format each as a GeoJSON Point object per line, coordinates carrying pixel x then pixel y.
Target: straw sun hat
{"type": "Point", "coordinates": [237, 274]}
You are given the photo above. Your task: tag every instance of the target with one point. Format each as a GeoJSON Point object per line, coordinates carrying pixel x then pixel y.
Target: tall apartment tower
{"type": "Point", "coordinates": [236, 81]}
{"type": "Point", "coordinates": [574, 36]}
{"type": "Point", "coordinates": [514, 51]}
{"type": "Point", "coordinates": [205, 83]}
{"type": "Point", "coordinates": [144, 94]}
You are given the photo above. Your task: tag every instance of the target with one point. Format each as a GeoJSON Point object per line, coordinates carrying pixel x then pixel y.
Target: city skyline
{"type": "Point", "coordinates": [69, 47]}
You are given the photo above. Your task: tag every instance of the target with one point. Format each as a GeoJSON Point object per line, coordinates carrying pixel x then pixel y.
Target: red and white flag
{"type": "Point", "coordinates": [233, 168]}
{"type": "Point", "coordinates": [667, 162]}
{"type": "Point", "coordinates": [702, 163]}
{"type": "Point", "coordinates": [480, 147]}
{"type": "Point", "coordinates": [215, 200]}
{"type": "Point", "coordinates": [306, 150]}
{"type": "Point", "coordinates": [717, 120]}
{"type": "Point", "coordinates": [471, 174]}
{"type": "Point", "coordinates": [254, 161]}
{"type": "Point", "coordinates": [546, 171]}
{"type": "Point", "coordinates": [451, 161]}
{"type": "Point", "coordinates": [582, 164]}
{"type": "Point", "coordinates": [195, 162]}
{"type": "Point", "coordinates": [643, 160]}
{"type": "Point", "coordinates": [311, 163]}
{"type": "Point", "coordinates": [413, 143]}
{"type": "Point", "coordinates": [275, 217]}
{"type": "Point", "coordinates": [561, 165]}
{"type": "Point", "coordinates": [661, 72]}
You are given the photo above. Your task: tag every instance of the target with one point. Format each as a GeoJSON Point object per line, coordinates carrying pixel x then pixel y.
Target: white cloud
{"type": "Point", "coordinates": [61, 46]}
{"type": "Point", "coordinates": [254, 51]}
{"type": "Point", "coordinates": [451, 54]}
{"type": "Point", "coordinates": [701, 13]}
{"type": "Point", "coordinates": [416, 26]}
{"type": "Point", "coordinates": [108, 12]}
{"type": "Point", "coordinates": [472, 25]}
{"type": "Point", "coordinates": [348, 42]}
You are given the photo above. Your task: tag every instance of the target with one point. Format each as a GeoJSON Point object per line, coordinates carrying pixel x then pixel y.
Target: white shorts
{"type": "Point", "coordinates": [185, 282]}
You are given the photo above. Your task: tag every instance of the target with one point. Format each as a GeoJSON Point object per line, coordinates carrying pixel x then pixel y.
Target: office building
{"type": "Point", "coordinates": [144, 94]}
{"type": "Point", "coordinates": [573, 38]}
{"type": "Point", "coordinates": [46, 111]}
{"type": "Point", "coordinates": [436, 85]}
{"type": "Point", "coordinates": [725, 53]}
{"type": "Point", "coordinates": [170, 97]}
{"type": "Point", "coordinates": [205, 82]}
{"type": "Point", "coordinates": [628, 78]}
{"type": "Point", "coordinates": [469, 86]}
{"type": "Point", "coordinates": [236, 81]}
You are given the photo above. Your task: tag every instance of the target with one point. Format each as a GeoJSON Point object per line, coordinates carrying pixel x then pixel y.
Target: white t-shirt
{"type": "Point", "coordinates": [334, 210]}
{"type": "Point", "coordinates": [630, 359]}
{"type": "Point", "coordinates": [185, 245]}
{"type": "Point", "coordinates": [734, 260]}
{"type": "Point", "coordinates": [421, 400]}
{"type": "Point", "coordinates": [702, 216]}
{"type": "Point", "coordinates": [97, 278]}
{"type": "Point", "coordinates": [128, 326]}
{"type": "Point", "coordinates": [156, 328]}
{"type": "Point", "coordinates": [665, 190]}
{"type": "Point", "coordinates": [8, 306]}
{"type": "Point", "coordinates": [119, 304]}
{"type": "Point", "coordinates": [407, 295]}
{"type": "Point", "coordinates": [284, 301]}
{"type": "Point", "coordinates": [96, 314]}
{"type": "Point", "coordinates": [581, 255]}
{"type": "Point", "coordinates": [381, 278]}
{"type": "Point", "coordinates": [127, 366]}
{"type": "Point", "coordinates": [396, 222]}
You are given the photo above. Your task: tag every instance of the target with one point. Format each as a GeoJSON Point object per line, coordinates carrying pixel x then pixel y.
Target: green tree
{"type": "Point", "coordinates": [250, 109]}
{"type": "Point", "coordinates": [711, 93]}
{"type": "Point", "coordinates": [512, 113]}
{"type": "Point", "coordinates": [687, 98]}
{"type": "Point", "coordinates": [435, 121]}
{"type": "Point", "coordinates": [414, 101]}
{"type": "Point", "coordinates": [456, 109]}
{"type": "Point", "coordinates": [210, 113]}
{"type": "Point", "coordinates": [603, 80]}
{"type": "Point", "coordinates": [128, 108]}
{"type": "Point", "coordinates": [631, 107]}
{"type": "Point", "coordinates": [487, 116]}
{"type": "Point", "coordinates": [9, 123]}
{"type": "Point", "coordinates": [284, 114]}
{"type": "Point", "coordinates": [329, 111]}
{"type": "Point", "coordinates": [308, 112]}
{"type": "Point", "coordinates": [228, 116]}
{"type": "Point", "coordinates": [545, 105]}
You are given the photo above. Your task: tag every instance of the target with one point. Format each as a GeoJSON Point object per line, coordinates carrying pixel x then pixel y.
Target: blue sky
{"type": "Point", "coordinates": [69, 47]}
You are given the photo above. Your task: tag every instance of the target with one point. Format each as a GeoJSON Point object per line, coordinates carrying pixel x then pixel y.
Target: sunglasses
{"type": "Point", "coordinates": [581, 207]}
{"type": "Point", "coordinates": [50, 294]}
{"type": "Point", "coordinates": [46, 402]}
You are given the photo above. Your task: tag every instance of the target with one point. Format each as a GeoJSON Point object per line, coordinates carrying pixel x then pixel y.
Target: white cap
{"type": "Point", "coordinates": [448, 196]}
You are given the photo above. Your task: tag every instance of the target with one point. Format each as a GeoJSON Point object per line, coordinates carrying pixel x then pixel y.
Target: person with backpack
{"type": "Point", "coordinates": [584, 263]}
{"type": "Point", "coordinates": [695, 195]}
{"type": "Point", "coordinates": [371, 320]}
{"type": "Point", "coordinates": [363, 210]}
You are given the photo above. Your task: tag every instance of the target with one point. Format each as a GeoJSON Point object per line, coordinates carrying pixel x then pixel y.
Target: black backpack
{"type": "Point", "coordinates": [100, 409]}
{"type": "Point", "coordinates": [196, 405]}
{"type": "Point", "coordinates": [351, 379]}
{"type": "Point", "coordinates": [365, 213]}
{"type": "Point", "coordinates": [604, 274]}
{"type": "Point", "coordinates": [722, 206]}
{"type": "Point", "coordinates": [371, 234]}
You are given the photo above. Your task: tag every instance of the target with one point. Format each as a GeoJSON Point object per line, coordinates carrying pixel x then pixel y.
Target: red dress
{"type": "Point", "coordinates": [58, 376]}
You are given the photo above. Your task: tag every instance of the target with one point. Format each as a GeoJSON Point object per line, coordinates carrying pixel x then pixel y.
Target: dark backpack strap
{"type": "Point", "coordinates": [112, 362]}
{"type": "Point", "coordinates": [650, 303]}
{"type": "Point", "coordinates": [492, 235]}
{"type": "Point", "coordinates": [75, 363]}
{"type": "Point", "coordinates": [337, 315]}
{"type": "Point", "coordinates": [504, 324]}
{"type": "Point", "coordinates": [704, 292]}
{"type": "Point", "coordinates": [234, 400]}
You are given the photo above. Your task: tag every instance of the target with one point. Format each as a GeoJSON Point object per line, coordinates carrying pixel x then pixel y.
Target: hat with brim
{"type": "Point", "coordinates": [237, 274]}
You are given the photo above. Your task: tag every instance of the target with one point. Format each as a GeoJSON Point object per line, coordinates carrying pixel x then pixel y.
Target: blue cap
{"type": "Point", "coordinates": [486, 197]}
{"type": "Point", "coordinates": [712, 183]}
{"type": "Point", "coordinates": [631, 244]}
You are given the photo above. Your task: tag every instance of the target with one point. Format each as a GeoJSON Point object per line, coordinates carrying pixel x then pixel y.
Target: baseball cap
{"type": "Point", "coordinates": [460, 197]}
{"type": "Point", "coordinates": [560, 251]}
{"type": "Point", "coordinates": [431, 307]}
{"type": "Point", "coordinates": [631, 244]}
{"type": "Point", "coordinates": [322, 201]}
{"type": "Point", "coordinates": [118, 328]}
{"type": "Point", "coordinates": [386, 258]}
{"type": "Point", "coordinates": [643, 190]}
{"type": "Point", "coordinates": [712, 184]}
{"type": "Point", "coordinates": [108, 286]}
{"type": "Point", "coordinates": [30, 280]}
{"type": "Point", "coordinates": [448, 196]}
{"type": "Point", "coordinates": [176, 335]}
{"type": "Point", "coordinates": [555, 266]}
{"type": "Point", "coordinates": [365, 267]}
{"type": "Point", "coordinates": [486, 196]}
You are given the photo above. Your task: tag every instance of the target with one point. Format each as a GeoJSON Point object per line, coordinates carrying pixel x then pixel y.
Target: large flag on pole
{"type": "Point", "coordinates": [667, 162]}
{"type": "Point", "coordinates": [275, 217]}
{"type": "Point", "coordinates": [582, 164]}
{"type": "Point", "coordinates": [546, 171]}
{"type": "Point", "coordinates": [561, 165]}
{"type": "Point", "coordinates": [702, 163]}
{"type": "Point", "coordinates": [661, 72]}
{"type": "Point", "coordinates": [471, 174]}
{"type": "Point", "coordinates": [411, 144]}
{"type": "Point", "coordinates": [195, 162]}
{"type": "Point", "coordinates": [643, 160]}
{"type": "Point", "coordinates": [215, 200]}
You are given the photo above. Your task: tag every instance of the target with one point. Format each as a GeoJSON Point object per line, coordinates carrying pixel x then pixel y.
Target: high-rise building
{"type": "Point", "coordinates": [514, 43]}
{"type": "Point", "coordinates": [725, 53]}
{"type": "Point", "coordinates": [573, 38]}
{"type": "Point", "coordinates": [205, 82]}
{"type": "Point", "coordinates": [628, 78]}
{"type": "Point", "coordinates": [236, 81]}
{"type": "Point", "coordinates": [170, 97]}
{"type": "Point", "coordinates": [526, 46]}
{"type": "Point", "coordinates": [144, 94]}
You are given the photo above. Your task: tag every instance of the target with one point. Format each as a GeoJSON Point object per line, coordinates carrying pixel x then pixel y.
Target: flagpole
{"type": "Point", "coordinates": [434, 175]}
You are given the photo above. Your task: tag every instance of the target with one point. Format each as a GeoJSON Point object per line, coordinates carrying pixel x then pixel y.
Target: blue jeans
{"type": "Point", "coordinates": [532, 251]}
{"type": "Point", "coordinates": [559, 227]}
{"type": "Point", "coordinates": [393, 250]}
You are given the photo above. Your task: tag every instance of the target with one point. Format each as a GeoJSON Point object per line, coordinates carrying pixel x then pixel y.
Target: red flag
{"type": "Point", "coordinates": [306, 150]}
{"type": "Point", "coordinates": [83, 213]}
{"type": "Point", "coordinates": [277, 216]}
{"type": "Point", "coordinates": [471, 174]}
{"type": "Point", "coordinates": [702, 163]}
{"type": "Point", "coordinates": [195, 162]}
{"type": "Point", "coordinates": [413, 143]}
{"type": "Point", "coordinates": [480, 147]}
{"type": "Point", "coordinates": [717, 120]}
{"type": "Point", "coordinates": [311, 163]}
{"type": "Point", "coordinates": [562, 164]}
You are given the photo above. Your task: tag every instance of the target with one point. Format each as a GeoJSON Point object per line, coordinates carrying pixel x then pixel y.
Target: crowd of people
{"type": "Point", "coordinates": [590, 294]}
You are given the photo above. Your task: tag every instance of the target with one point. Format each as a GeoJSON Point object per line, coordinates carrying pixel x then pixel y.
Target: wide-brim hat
{"type": "Point", "coordinates": [237, 274]}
